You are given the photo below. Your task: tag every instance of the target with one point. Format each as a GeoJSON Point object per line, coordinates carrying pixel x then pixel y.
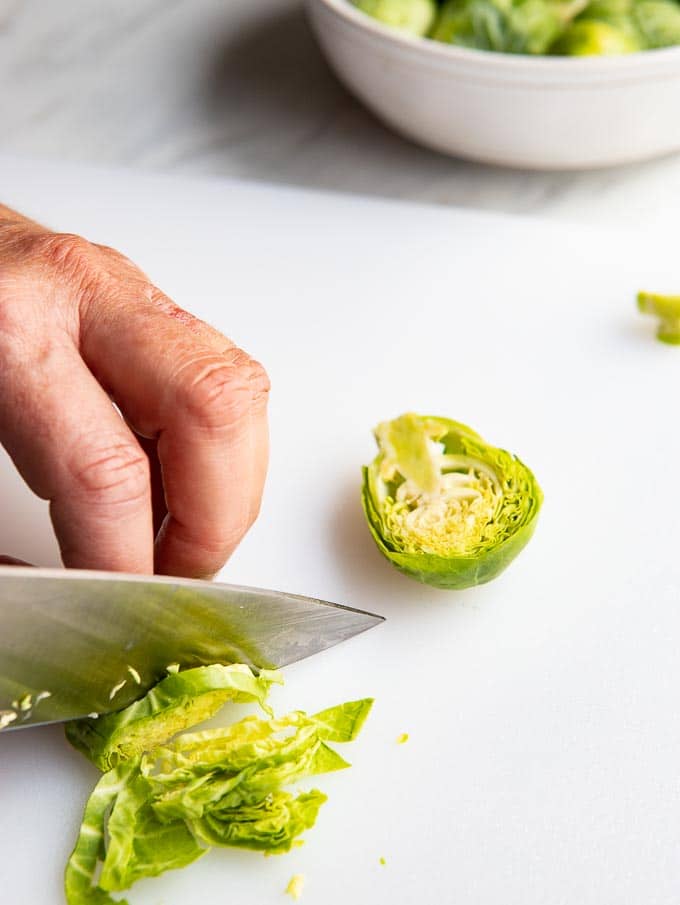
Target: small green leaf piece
{"type": "Point", "coordinates": [343, 723]}
{"type": "Point", "coordinates": [295, 886]}
{"type": "Point", "coordinates": [667, 309]}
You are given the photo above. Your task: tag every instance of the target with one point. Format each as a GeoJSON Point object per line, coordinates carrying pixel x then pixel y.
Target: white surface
{"type": "Point", "coordinates": [542, 765]}
{"type": "Point", "coordinates": [239, 88]}
{"type": "Point", "coordinates": [531, 112]}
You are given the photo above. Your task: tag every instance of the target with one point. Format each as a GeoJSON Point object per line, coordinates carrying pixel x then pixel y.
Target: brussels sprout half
{"type": "Point", "coordinates": [443, 505]}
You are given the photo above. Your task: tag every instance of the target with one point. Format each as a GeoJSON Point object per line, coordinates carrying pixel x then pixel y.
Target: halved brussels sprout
{"type": "Point", "coordinates": [667, 309]}
{"type": "Point", "coordinates": [412, 16]}
{"type": "Point", "coordinates": [443, 505]}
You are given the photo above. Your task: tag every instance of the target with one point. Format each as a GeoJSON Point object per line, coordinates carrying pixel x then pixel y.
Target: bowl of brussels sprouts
{"type": "Point", "coordinates": [536, 84]}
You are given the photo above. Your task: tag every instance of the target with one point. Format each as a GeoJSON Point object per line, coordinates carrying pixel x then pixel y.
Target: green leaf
{"type": "Point", "coordinates": [272, 825]}
{"type": "Point", "coordinates": [178, 701]}
{"type": "Point", "coordinates": [79, 883]}
{"type": "Point", "coordinates": [139, 845]}
{"type": "Point", "coordinates": [343, 722]}
{"type": "Point", "coordinates": [467, 531]}
{"type": "Point", "coordinates": [201, 772]}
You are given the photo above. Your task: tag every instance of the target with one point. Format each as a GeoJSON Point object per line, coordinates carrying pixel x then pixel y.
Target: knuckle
{"type": "Point", "coordinates": [65, 251]}
{"type": "Point", "coordinates": [215, 392]}
{"type": "Point", "coordinates": [112, 474]}
{"type": "Point", "coordinates": [68, 258]}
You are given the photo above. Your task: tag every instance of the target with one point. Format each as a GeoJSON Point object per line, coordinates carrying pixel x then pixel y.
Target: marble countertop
{"type": "Point", "coordinates": [238, 88]}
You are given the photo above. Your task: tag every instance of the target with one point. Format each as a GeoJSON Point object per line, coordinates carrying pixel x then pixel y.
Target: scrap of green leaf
{"type": "Point", "coordinates": [667, 309]}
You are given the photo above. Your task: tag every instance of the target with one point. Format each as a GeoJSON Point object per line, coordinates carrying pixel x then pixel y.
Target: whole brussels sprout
{"type": "Point", "coordinates": [481, 24]}
{"type": "Point", "coordinates": [443, 505]}
{"type": "Point", "coordinates": [586, 37]}
{"type": "Point", "coordinates": [505, 26]}
{"type": "Point", "coordinates": [412, 16]}
{"type": "Point", "coordinates": [658, 21]}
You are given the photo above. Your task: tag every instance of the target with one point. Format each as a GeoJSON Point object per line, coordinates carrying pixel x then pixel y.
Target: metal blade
{"type": "Point", "coordinates": [78, 635]}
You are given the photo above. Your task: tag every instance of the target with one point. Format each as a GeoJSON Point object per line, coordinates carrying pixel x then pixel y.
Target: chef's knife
{"type": "Point", "coordinates": [74, 643]}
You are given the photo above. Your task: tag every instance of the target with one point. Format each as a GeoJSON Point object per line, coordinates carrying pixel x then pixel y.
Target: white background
{"type": "Point", "coordinates": [239, 88]}
{"type": "Point", "coordinates": [542, 765]}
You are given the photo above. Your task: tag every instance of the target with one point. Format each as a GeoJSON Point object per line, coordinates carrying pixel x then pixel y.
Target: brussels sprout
{"type": "Point", "coordinates": [667, 309]}
{"type": "Point", "coordinates": [443, 505]}
{"type": "Point", "coordinates": [658, 22]}
{"type": "Point", "coordinates": [412, 16]}
{"type": "Point", "coordinates": [586, 38]}
{"type": "Point", "coordinates": [614, 12]}
{"type": "Point", "coordinates": [505, 26]}
{"type": "Point", "coordinates": [480, 24]}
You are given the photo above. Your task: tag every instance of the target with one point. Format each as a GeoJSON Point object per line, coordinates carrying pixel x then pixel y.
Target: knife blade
{"type": "Point", "coordinates": [75, 642]}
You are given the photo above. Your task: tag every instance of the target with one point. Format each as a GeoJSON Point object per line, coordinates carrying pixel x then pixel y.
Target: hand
{"type": "Point", "coordinates": [176, 481]}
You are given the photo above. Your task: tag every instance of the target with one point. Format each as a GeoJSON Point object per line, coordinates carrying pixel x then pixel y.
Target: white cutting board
{"type": "Point", "coordinates": [543, 766]}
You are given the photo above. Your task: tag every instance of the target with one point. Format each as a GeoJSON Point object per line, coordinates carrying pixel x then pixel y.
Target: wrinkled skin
{"type": "Point", "coordinates": [174, 484]}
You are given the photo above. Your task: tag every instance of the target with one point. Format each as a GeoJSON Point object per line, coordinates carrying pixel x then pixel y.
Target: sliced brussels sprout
{"type": "Point", "coordinates": [412, 16]}
{"type": "Point", "coordinates": [181, 699]}
{"type": "Point", "coordinates": [667, 309]}
{"type": "Point", "coordinates": [443, 505]}
{"type": "Point", "coordinates": [218, 787]}
{"type": "Point", "coordinates": [586, 38]}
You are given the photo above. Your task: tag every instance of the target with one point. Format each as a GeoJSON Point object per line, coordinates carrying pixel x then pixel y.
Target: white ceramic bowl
{"type": "Point", "coordinates": [521, 111]}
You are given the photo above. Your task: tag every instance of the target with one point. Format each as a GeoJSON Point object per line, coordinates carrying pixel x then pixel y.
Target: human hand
{"type": "Point", "coordinates": [176, 482]}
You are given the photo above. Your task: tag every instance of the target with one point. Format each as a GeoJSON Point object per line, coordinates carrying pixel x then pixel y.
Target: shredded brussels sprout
{"type": "Point", "coordinates": [180, 700]}
{"type": "Point", "coordinates": [167, 800]}
{"type": "Point", "coordinates": [444, 506]}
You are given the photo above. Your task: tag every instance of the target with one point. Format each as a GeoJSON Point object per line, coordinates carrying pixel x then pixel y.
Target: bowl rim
{"type": "Point", "coordinates": [438, 50]}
